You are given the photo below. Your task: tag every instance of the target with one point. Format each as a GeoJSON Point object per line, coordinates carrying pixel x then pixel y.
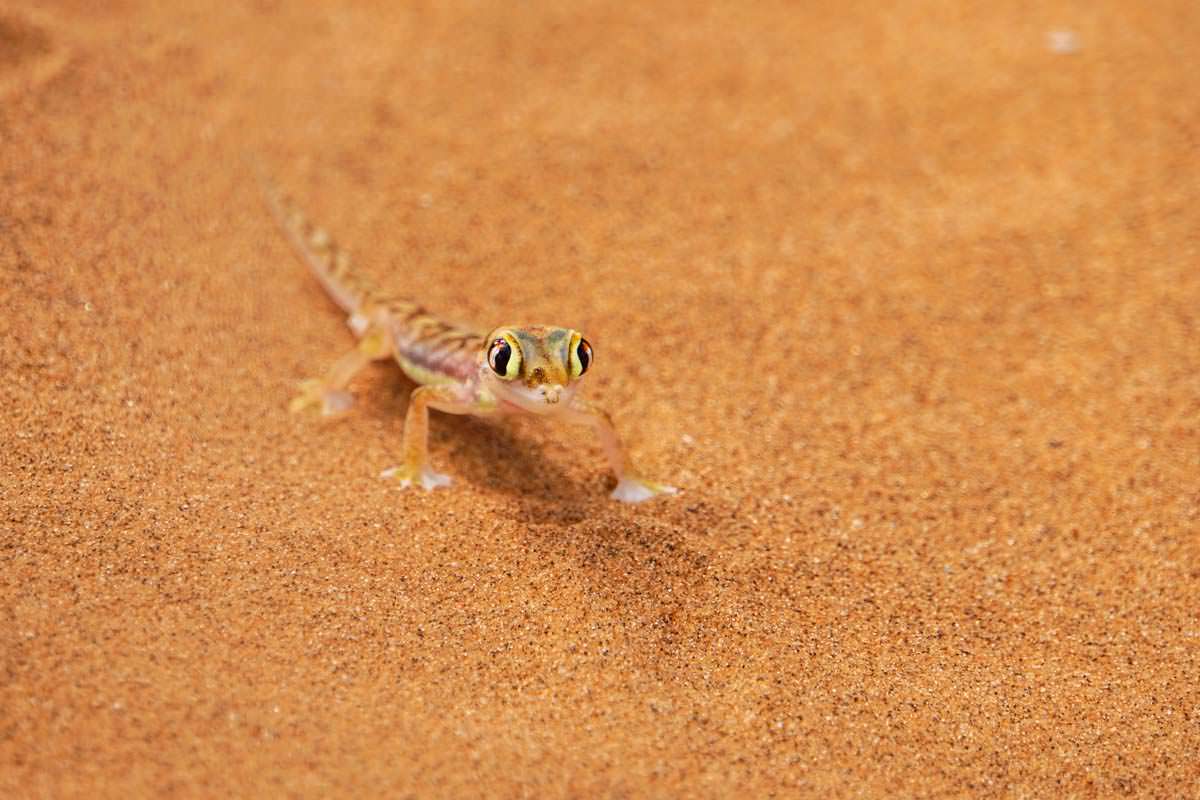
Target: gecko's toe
{"type": "Point", "coordinates": [310, 395]}
{"type": "Point", "coordinates": [433, 480]}
{"type": "Point", "coordinates": [313, 394]}
{"type": "Point", "coordinates": [336, 402]}
{"type": "Point", "coordinates": [635, 490]}
{"type": "Point", "coordinates": [407, 476]}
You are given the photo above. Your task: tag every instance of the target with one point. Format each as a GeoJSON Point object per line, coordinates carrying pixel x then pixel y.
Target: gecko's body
{"type": "Point", "coordinates": [532, 369]}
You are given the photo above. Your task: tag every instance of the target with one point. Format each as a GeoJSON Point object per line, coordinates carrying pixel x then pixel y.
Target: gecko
{"type": "Point", "coordinates": [509, 369]}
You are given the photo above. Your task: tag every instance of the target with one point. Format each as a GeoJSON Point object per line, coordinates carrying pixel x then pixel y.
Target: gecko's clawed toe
{"type": "Point", "coordinates": [407, 476]}
{"type": "Point", "coordinates": [309, 396]}
{"type": "Point", "coordinates": [314, 394]}
{"type": "Point", "coordinates": [431, 480]}
{"type": "Point", "coordinates": [336, 402]}
{"type": "Point", "coordinates": [635, 490]}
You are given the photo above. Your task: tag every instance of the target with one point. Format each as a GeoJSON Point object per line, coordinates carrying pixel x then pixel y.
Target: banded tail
{"type": "Point", "coordinates": [330, 264]}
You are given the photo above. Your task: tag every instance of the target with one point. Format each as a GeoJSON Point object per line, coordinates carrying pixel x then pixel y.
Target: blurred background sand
{"type": "Point", "coordinates": [905, 298]}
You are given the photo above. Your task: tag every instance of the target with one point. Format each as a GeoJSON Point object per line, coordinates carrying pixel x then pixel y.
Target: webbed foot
{"type": "Point", "coordinates": [635, 490]}
{"type": "Point", "coordinates": [424, 476]}
{"type": "Point", "coordinates": [314, 394]}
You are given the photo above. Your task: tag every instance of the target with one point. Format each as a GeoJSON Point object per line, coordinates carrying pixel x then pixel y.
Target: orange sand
{"type": "Point", "coordinates": [905, 300]}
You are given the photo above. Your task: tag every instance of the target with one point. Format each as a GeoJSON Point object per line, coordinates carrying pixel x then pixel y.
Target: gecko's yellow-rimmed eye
{"type": "Point", "coordinates": [504, 360]}
{"type": "Point", "coordinates": [581, 355]}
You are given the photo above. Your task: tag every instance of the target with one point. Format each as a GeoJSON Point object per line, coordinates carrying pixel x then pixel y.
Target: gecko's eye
{"type": "Point", "coordinates": [503, 361]}
{"type": "Point", "coordinates": [581, 355]}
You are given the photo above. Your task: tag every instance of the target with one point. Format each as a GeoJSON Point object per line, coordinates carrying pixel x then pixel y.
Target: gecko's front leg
{"type": "Point", "coordinates": [415, 468]}
{"type": "Point", "coordinates": [631, 487]}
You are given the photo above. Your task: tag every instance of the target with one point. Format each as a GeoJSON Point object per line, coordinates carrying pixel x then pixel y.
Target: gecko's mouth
{"type": "Point", "coordinates": [538, 400]}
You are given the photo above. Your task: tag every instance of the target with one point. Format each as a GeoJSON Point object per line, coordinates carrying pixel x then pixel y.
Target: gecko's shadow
{"type": "Point", "coordinates": [647, 563]}
{"type": "Point", "coordinates": [487, 454]}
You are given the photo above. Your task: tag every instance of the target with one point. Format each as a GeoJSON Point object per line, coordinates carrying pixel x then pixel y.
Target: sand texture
{"type": "Point", "coordinates": [904, 296]}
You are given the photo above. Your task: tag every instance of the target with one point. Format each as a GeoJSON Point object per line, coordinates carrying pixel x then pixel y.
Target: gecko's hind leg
{"type": "Point", "coordinates": [329, 393]}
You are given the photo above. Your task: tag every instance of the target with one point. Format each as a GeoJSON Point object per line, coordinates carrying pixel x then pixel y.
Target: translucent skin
{"type": "Point", "coordinates": [543, 371]}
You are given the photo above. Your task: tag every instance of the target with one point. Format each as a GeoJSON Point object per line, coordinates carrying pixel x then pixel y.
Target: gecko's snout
{"type": "Point", "coordinates": [549, 392]}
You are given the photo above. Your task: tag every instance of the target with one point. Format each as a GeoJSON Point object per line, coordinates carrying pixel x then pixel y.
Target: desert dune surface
{"type": "Point", "coordinates": [904, 298]}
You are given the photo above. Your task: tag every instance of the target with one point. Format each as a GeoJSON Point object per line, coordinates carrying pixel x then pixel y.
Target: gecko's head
{"type": "Point", "coordinates": [535, 367]}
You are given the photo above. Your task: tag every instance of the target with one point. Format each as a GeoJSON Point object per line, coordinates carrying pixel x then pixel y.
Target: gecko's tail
{"type": "Point", "coordinates": [330, 264]}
